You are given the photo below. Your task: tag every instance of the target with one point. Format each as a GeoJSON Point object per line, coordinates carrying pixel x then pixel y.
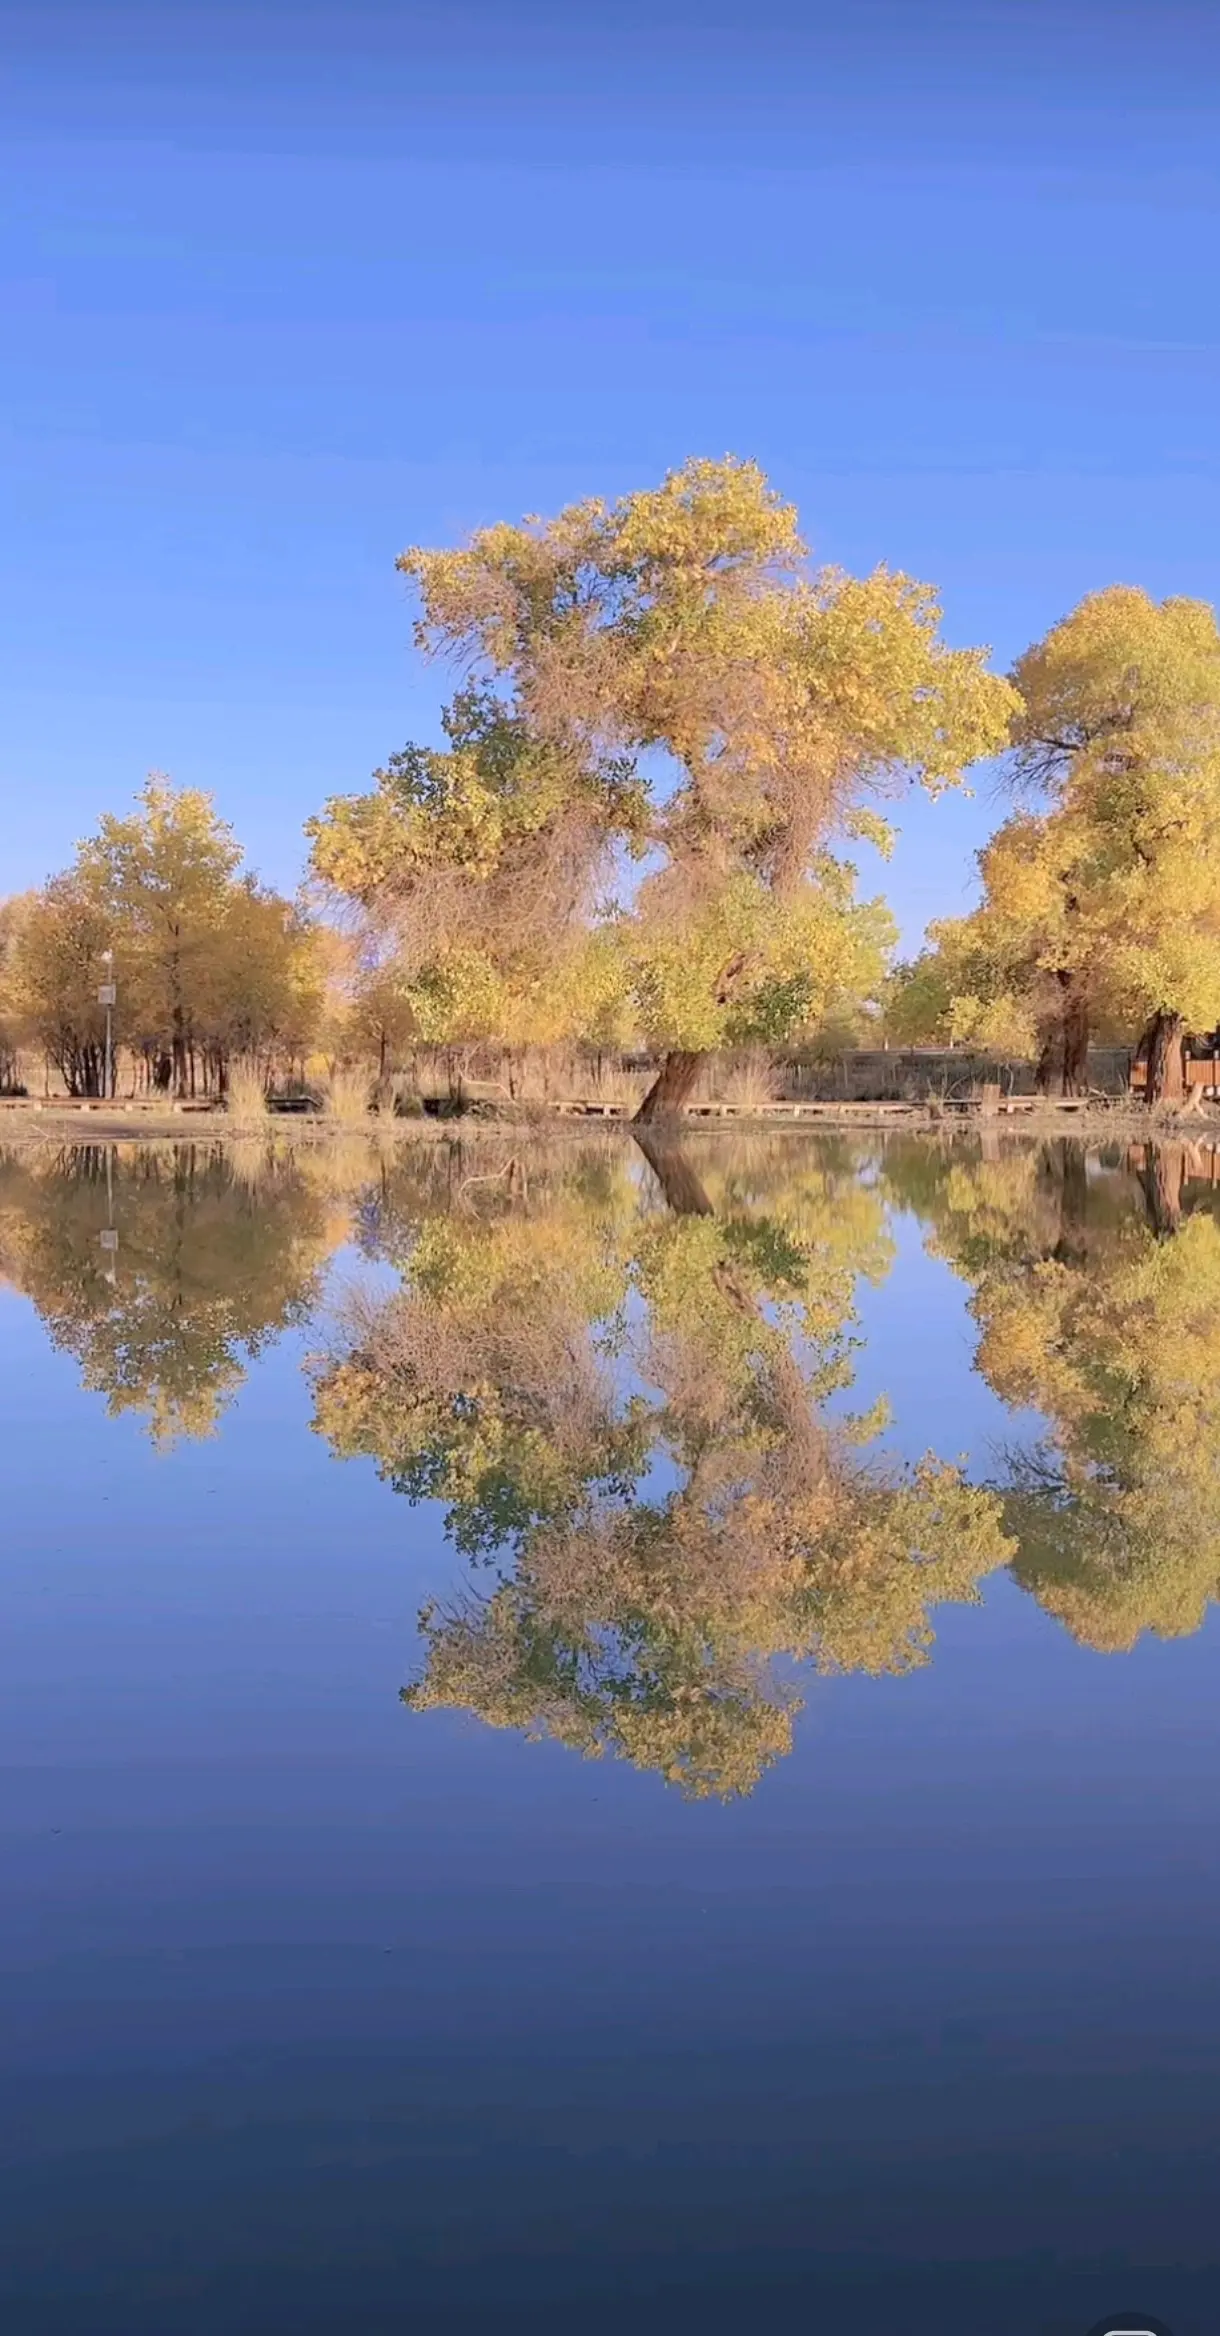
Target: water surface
{"type": "Point", "coordinates": [585, 1735]}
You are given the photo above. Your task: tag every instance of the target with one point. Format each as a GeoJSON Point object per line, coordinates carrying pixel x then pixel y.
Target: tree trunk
{"type": "Point", "coordinates": [678, 1181]}
{"type": "Point", "coordinates": [1162, 1177]}
{"type": "Point", "coordinates": [1048, 1070]}
{"type": "Point", "coordinates": [178, 1053]}
{"type": "Point", "coordinates": [672, 1088]}
{"type": "Point", "coordinates": [178, 1021]}
{"type": "Point", "coordinates": [1165, 1041]}
{"type": "Point", "coordinates": [1075, 1042]}
{"type": "Point", "coordinates": [1063, 1061]}
{"type": "Point", "coordinates": [1073, 1180]}
{"type": "Point", "coordinates": [82, 1068]}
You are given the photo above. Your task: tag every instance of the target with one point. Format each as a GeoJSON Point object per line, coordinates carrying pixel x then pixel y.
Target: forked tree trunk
{"type": "Point", "coordinates": [672, 1088]}
{"type": "Point", "coordinates": [1165, 1044]}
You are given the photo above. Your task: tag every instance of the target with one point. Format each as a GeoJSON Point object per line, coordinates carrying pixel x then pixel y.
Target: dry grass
{"type": "Point", "coordinates": [346, 1164]}
{"type": "Point", "coordinates": [747, 1079]}
{"type": "Point", "coordinates": [246, 1101]}
{"type": "Point", "coordinates": [346, 1097]}
{"type": "Point", "coordinates": [249, 1161]}
{"type": "Point", "coordinates": [608, 1082]}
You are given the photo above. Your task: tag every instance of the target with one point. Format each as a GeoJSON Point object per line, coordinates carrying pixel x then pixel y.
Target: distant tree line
{"type": "Point", "coordinates": [208, 963]}
{"type": "Point", "coordinates": [666, 731]}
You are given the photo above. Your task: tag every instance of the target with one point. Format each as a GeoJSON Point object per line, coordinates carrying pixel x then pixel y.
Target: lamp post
{"type": "Point", "coordinates": [109, 1240]}
{"type": "Point", "coordinates": [106, 997]}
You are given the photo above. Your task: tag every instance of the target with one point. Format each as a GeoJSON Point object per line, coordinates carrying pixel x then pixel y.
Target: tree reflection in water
{"type": "Point", "coordinates": [625, 1376]}
{"type": "Point", "coordinates": [622, 1401]}
{"type": "Point", "coordinates": [213, 1255]}
{"type": "Point", "coordinates": [1095, 1284]}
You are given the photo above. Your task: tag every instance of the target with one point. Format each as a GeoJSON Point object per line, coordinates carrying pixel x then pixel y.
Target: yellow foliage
{"type": "Point", "coordinates": [534, 1369]}
{"type": "Point", "coordinates": [1093, 1311]}
{"type": "Point", "coordinates": [1122, 671]}
{"type": "Point", "coordinates": [680, 618]}
{"type": "Point", "coordinates": [201, 1278]}
{"type": "Point", "coordinates": [1104, 910]}
{"type": "Point", "coordinates": [204, 957]}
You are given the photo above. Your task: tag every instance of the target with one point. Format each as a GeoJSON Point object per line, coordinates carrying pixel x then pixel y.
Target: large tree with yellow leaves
{"type": "Point", "coordinates": [773, 704]}
{"type": "Point", "coordinates": [1103, 909]}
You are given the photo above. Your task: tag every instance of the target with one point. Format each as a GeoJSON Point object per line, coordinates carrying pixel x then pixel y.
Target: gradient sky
{"type": "Point", "coordinates": [289, 287]}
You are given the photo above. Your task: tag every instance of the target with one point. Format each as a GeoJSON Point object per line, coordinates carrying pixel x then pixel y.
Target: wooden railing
{"type": "Point", "coordinates": [1197, 1074]}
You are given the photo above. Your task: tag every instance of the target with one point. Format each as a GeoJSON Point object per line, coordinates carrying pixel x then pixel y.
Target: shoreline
{"type": "Point", "coordinates": [39, 1124]}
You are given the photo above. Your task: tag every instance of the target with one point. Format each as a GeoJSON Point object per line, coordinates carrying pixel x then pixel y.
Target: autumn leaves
{"type": "Point", "coordinates": [667, 730]}
{"type": "Point", "coordinates": [668, 725]}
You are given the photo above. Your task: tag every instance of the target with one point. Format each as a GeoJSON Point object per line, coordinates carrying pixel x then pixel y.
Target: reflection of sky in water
{"type": "Point", "coordinates": [318, 2015]}
{"type": "Point", "coordinates": [918, 1344]}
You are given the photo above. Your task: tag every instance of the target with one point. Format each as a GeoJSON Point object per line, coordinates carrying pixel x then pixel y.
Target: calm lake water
{"type": "Point", "coordinates": [592, 1740]}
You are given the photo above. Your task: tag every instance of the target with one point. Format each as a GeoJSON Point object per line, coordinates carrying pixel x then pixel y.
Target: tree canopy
{"type": "Point", "coordinates": [783, 702]}
{"type": "Point", "coordinates": [208, 962]}
{"type": "Point", "coordinates": [667, 729]}
{"type": "Point", "coordinates": [1100, 912]}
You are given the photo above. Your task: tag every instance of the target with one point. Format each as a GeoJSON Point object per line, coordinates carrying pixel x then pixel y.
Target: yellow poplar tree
{"type": "Point", "coordinates": [206, 960]}
{"type": "Point", "coordinates": [1100, 912]}
{"type": "Point", "coordinates": [55, 970]}
{"type": "Point", "coordinates": [1121, 728]}
{"type": "Point", "coordinates": [685, 619]}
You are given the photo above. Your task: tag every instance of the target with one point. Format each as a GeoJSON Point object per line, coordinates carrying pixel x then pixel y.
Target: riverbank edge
{"type": "Point", "coordinates": [50, 1126]}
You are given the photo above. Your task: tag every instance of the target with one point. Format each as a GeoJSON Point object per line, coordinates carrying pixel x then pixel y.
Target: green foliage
{"type": "Point", "coordinates": [743, 965]}
{"type": "Point", "coordinates": [478, 867]}
{"type": "Point", "coordinates": [476, 807]}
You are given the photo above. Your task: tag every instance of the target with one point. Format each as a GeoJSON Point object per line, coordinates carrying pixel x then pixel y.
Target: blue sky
{"type": "Point", "coordinates": [288, 288]}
